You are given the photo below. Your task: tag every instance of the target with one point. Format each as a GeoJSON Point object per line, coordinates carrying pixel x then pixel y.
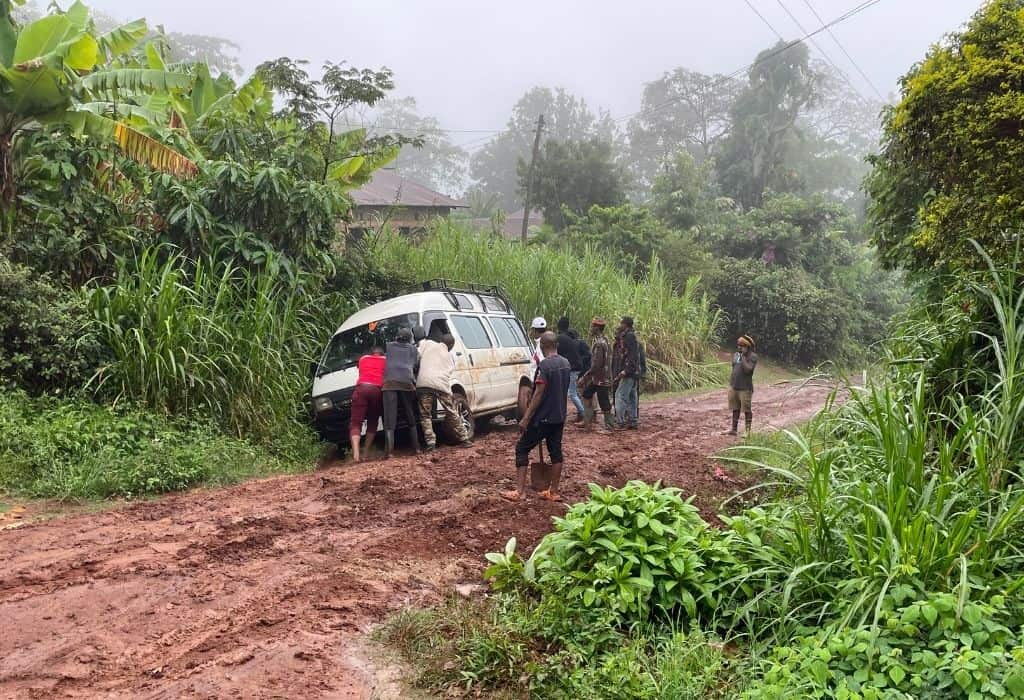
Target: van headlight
{"type": "Point", "coordinates": [323, 404]}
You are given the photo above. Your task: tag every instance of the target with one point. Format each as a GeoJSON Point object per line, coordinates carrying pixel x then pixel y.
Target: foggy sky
{"type": "Point", "coordinates": [467, 61]}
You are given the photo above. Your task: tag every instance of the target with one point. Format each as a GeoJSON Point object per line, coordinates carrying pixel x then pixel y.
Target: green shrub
{"type": "Point", "coordinates": [636, 550]}
{"type": "Point", "coordinates": [76, 450]}
{"type": "Point", "coordinates": [678, 328]}
{"type": "Point", "coordinates": [940, 647]}
{"type": "Point", "coordinates": [48, 343]}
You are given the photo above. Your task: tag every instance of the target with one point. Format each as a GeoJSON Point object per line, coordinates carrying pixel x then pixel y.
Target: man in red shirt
{"type": "Point", "coordinates": [367, 400]}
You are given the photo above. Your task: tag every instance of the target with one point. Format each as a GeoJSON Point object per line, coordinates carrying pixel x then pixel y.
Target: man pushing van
{"type": "Point", "coordinates": [434, 382]}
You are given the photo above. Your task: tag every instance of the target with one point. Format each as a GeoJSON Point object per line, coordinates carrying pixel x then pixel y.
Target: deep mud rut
{"type": "Point", "coordinates": [264, 589]}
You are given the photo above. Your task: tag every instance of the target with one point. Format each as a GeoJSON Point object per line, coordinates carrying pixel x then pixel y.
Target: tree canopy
{"type": "Point", "coordinates": [950, 164]}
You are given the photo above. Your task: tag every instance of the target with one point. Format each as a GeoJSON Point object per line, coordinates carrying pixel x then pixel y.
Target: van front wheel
{"type": "Point", "coordinates": [465, 416]}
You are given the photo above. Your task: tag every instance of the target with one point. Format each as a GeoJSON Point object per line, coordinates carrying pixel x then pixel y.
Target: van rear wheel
{"type": "Point", "coordinates": [465, 416]}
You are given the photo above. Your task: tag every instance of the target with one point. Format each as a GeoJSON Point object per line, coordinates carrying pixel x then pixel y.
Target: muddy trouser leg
{"type": "Point", "coordinates": [604, 400]}
{"type": "Point", "coordinates": [408, 399]}
{"type": "Point", "coordinates": [426, 399]}
{"type": "Point", "coordinates": [588, 406]}
{"type": "Point", "coordinates": [452, 419]}
{"type": "Point", "coordinates": [390, 399]}
{"type": "Point", "coordinates": [735, 420]}
{"type": "Point", "coordinates": [625, 396]}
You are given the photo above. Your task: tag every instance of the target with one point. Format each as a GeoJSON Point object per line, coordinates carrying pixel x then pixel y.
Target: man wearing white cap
{"type": "Point", "coordinates": [537, 328]}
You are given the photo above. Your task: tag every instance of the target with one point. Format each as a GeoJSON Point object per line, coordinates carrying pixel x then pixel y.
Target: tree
{"type": "Point", "coordinates": [322, 106]}
{"type": "Point", "coordinates": [682, 109]}
{"type": "Point", "coordinates": [435, 161]}
{"type": "Point", "coordinates": [682, 193]}
{"type": "Point", "coordinates": [630, 233]}
{"type": "Point", "coordinates": [566, 117]}
{"type": "Point", "coordinates": [52, 67]}
{"type": "Point", "coordinates": [781, 84]}
{"type": "Point", "coordinates": [218, 54]}
{"type": "Point", "coordinates": [949, 167]}
{"type": "Point", "coordinates": [574, 176]}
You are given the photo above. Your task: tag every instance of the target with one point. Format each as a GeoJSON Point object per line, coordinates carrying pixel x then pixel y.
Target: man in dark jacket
{"type": "Point", "coordinates": [400, 387]}
{"type": "Point", "coordinates": [626, 369]}
{"type": "Point", "coordinates": [598, 378]}
{"type": "Point", "coordinates": [569, 349]}
{"type": "Point", "coordinates": [741, 383]}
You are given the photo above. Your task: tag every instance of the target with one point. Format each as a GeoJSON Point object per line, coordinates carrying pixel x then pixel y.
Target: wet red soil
{"type": "Point", "coordinates": [263, 589]}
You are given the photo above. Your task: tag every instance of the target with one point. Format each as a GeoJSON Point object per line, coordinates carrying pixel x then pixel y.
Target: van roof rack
{"type": "Point", "coordinates": [452, 287]}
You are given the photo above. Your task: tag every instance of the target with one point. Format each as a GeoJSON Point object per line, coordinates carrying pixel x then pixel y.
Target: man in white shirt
{"type": "Point", "coordinates": [537, 329]}
{"type": "Point", "coordinates": [434, 382]}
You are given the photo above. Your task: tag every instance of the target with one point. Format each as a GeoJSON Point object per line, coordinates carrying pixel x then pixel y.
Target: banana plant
{"type": "Point", "coordinates": [47, 66]}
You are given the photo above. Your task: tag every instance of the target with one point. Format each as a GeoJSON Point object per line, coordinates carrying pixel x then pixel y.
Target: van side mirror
{"type": "Point", "coordinates": [314, 367]}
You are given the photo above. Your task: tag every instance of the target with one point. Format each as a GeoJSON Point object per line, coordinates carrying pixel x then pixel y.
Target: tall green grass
{"type": "Point", "coordinates": [191, 338]}
{"type": "Point", "coordinates": [904, 492]}
{"type": "Point", "coordinates": [677, 329]}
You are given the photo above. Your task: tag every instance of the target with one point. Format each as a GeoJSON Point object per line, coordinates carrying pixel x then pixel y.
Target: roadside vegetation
{"type": "Point", "coordinates": [883, 556]}
{"type": "Point", "coordinates": [680, 328]}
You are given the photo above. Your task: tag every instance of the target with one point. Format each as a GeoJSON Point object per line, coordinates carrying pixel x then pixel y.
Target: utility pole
{"type": "Point", "coordinates": [529, 177]}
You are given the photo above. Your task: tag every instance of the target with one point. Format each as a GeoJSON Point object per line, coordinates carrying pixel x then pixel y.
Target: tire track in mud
{"type": "Point", "coordinates": [263, 589]}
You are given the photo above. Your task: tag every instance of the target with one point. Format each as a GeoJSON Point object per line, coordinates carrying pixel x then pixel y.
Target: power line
{"type": "Point", "coordinates": [824, 27]}
{"type": "Point", "coordinates": [845, 52]}
{"type": "Point", "coordinates": [763, 19]}
{"type": "Point", "coordinates": [840, 71]}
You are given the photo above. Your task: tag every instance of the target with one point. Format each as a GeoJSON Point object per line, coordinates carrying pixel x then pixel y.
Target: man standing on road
{"type": "Point", "coordinates": [569, 349]}
{"type": "Point", "coordinates": [434, 382]}
{"type": "Point", "coordinates": [598, 378]}
{"type": "Point", "coordinates": [626, 368]}
{"type": "Point", "coordinates": [544, 420]}
{"type": "Point", "coordinates": [741, 383]}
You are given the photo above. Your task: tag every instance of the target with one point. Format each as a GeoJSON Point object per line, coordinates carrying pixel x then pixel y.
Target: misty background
{"type": "Point", "coordinates": [460, 67]}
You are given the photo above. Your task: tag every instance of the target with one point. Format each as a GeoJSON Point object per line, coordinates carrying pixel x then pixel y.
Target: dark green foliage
{"type": "Point", "coordinates": [789, 275]}
{"type": "Point", "coordinates": [78, 450]}
{"type": "Point", "coordinates": [939, 647]}
{"type": "Point", "coordinates": [632, 235]}
{"type": "Point", "coordinates": [786, 310]}
{"type": "Point", "coordinates": [47, 341]}
{"type": "Point", "coordinates": [80, 208]}
{"type": "Point", "coordinates": [635, 551]}
{"type": "Point", "coordinates": [948, 170]}
{"type": "Point", "coordinates": [573, 176]}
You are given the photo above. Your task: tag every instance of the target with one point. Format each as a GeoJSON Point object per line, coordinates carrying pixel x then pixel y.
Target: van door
{"type": "Point", "coordinates": [514, 353]}
{"type": "Point", "coordinates": [482, 358]}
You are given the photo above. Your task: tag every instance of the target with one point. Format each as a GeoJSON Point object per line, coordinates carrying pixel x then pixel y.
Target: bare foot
{"type": "Point", "coordinates": [549, 495]}
{"type": "Point", "coordinates": [511, 495]}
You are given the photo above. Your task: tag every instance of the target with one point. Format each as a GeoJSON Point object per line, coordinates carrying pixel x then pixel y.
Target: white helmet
{"type": "Point", "coordinates": [539, 323]}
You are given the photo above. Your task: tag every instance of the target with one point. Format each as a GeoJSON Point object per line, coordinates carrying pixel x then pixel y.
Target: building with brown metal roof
{"type": "Point", "coordinates": [389, 199]}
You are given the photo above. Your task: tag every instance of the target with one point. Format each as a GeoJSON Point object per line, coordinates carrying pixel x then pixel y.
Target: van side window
{"type": "Point", "coordinates": [472, 332]}
{"type": "Point", "coordinates": [435, 324]}
{"type": "Point", "coordinates": [507, 332]}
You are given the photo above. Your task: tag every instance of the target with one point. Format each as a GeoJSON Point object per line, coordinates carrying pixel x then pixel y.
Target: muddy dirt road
{"type": "Point", "coordinates": [262, 589]}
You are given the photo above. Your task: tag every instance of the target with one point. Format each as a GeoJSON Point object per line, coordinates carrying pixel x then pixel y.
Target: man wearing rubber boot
{"type": "Point", "coordinates": [597, 380]}
{"type": "Point", "coordinates": [544, 420]}
{"type": "Point", "coordinates": [741, 383]}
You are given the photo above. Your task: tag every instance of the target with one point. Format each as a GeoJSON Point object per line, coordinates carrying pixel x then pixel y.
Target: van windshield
{"type": "Point", "coordinates": [348, 346]}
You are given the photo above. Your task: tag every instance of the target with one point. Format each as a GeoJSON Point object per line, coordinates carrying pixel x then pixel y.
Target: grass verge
{"type": "Point", "coordinates": [75, 450]}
